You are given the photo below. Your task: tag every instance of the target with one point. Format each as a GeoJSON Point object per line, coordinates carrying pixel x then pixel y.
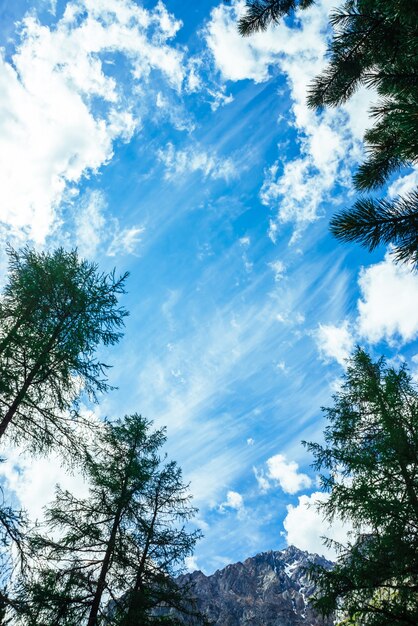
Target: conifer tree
{"type": "Point", "coordinates": [55, 311]}
{"type": "Point", "coordinates": [163, 544]}
{"type": "Point", "coordinates": [374, 45]}
{"type": "Point", "coordinates": [108, 558]}
{"type": "Point", "coordinates": [369, 466]}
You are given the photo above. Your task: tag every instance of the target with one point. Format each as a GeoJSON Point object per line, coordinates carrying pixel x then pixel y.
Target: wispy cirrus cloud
{"type": "Point", "coordinates": [180, 162]}
{"type": "Point", "coordinates": [95, 231]}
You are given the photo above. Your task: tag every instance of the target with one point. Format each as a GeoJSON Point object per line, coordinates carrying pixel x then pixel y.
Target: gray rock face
{"type": "Point", "coordinates": [269, 589]}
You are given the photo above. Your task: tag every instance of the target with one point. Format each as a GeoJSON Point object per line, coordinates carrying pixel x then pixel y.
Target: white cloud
{"type": "Point", "coordinates": [239, 58]}
{"type": "Point", "coordinates": [286, 474]}
{"type": "Point", "coordinates": [193, 159]}
{"type": "Point", "coordinates": [262, 482]}
{"type": "Point", "coordinates": [279, 269]}
{"type": "Point", "coordinates": [125, 240]}
{"type": "Point", "coordinates": [89, 224]}
{"type": "Point", "coordinates": [388, 307]}
{"type": "Point", "coordinates": [335, 342]}
{"type": "Point", "coordinates": [304, 526]}
{"type": "Point", "coordinates": [404, 184]}
{"type": "Point", "coordinates": [33, 481]}
{"type": "Point", "coordinates": [281, 367]}
{"type": "Point", "coordinates": [250, 441]}
{"type": "Point", "coordinates": [234, 500]}
{"type": "Point", "coordinates": [329, 141]}
{"type": "Point", "coordinates": [94, 229]}
{"type": "Point", "coordinates": [191, 563]}
{"type": "Point", "coordinates": [51, 134]}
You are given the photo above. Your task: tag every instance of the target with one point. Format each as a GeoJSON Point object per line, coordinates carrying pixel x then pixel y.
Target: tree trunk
{"type": "Point", "coordinates": [94, 611]}
{"type": "Point", "coordinates": [28, 381]}
{"type": "Point", "coordinates": [104, 570]}
{"type": "Point", "coordinates": [15, 404]}
{"type": "Point", "coordinates": [135, 604]}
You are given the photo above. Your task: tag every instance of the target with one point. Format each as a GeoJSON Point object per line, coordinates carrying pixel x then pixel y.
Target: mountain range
{"type": "Point", "coordinates": [269, 589]}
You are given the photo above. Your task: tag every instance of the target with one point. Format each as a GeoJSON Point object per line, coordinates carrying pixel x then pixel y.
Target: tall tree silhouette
{"type": "Point", "coordinates": [55, 311]}
{"type": "Point", "coordinates": [111, 555]}
{"type": "Point", "coordinates": [369, 466]}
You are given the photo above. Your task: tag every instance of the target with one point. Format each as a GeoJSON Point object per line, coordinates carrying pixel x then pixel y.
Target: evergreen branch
{"type": "Point", "coordinates": [372, 222]}
{"type": "Point", "coordinates": [261, 13]}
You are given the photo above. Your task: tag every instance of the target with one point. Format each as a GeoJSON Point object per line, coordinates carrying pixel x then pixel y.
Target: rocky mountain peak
{"type": "Point", "coordinates": [268, 589]}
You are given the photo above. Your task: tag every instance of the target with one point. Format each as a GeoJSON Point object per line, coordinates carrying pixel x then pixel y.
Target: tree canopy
{"type": "Point", "coordinates": [374, 45]}
{"type": "Point", "coordinates": [55, 311]}
{"type": "Point", "coordinates": [113, 554]}
{"type": "Point", "coordinates": [369, 466]}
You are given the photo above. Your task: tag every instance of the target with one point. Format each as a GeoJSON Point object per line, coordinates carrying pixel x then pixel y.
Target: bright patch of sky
{"type": "Point", "coordinates": [158, 141]}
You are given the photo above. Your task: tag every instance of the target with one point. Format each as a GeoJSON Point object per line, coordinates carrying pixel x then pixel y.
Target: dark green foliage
{"type": "Point", "coordinates": [369, 466]}
{"type": "Point", "coordinates": [373, 222]}
{"type": "Point", "coordinates": [56, 310]}
{"type": "Point", "coordinates": [374, 45]}
{"type": "Point", "coordinates": [261, 13]}
{"type": "Point", "coordinates": [163, 544]}
{"type": "Point", "coordinates": [108, 558]}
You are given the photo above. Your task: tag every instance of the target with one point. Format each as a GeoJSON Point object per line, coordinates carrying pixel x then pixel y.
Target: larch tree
{"type": "Point", "coordinates": [55, 311]}
{"type": "Point", "coordinates": [162, 544]}
{"type": "Point", "coordinates": [369, 466]}
{"type": "Point", "coordinates": [109, 557]}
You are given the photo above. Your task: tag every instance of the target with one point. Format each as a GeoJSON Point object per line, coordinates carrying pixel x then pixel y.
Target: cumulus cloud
{"type": "Point", "coordinates": [52, 135]}
{"type": "Point", "coordinates": [305, 526]}
{"type": "Point", "coordinates": [190, 563]}
{"type": "Point", "coordinates": [286, 474]}
{"type": "Point", "coordinates": [329, 141]}
{"type": "Point", "coordinates": [194, 159]}
{"type": "Point", "coordinates": [335, 342]}
{"type": "Point", "coordinates": [234, 500]}
{"type": "Point", "coordinates": [404, 184]}
{"type": "Point", "coordinates": [389, 302]}
{"type": "Point", "coordinates": [33, 481]}
{"type": "Point", "coordinates": [386, 311]}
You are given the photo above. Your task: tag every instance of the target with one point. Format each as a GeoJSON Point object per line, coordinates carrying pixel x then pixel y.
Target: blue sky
{"type": "Point", "coordinates": [156, 140]}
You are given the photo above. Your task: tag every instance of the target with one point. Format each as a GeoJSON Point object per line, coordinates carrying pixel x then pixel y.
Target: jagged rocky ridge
{"type": "Point", "coordinates": [269, 589]}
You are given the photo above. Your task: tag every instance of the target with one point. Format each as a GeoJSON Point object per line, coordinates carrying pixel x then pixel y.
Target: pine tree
{"type": "Point", "coordinates": [369, 466]}
{"type": "Point", "coordinates": [372, 222]}
{"type": "Point", "coordinates": [109, 558]}
{"type": "Point", "coordinates": [261, 13]}
{"type": "Point", "coordinates": [55, 311]}
{"type": "Point", "coordinates": [374, 45]}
